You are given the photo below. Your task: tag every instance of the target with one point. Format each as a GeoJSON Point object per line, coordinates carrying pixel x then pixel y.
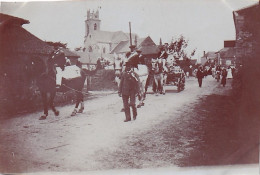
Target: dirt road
{"type": "Point", "coordinates": [98, 139]}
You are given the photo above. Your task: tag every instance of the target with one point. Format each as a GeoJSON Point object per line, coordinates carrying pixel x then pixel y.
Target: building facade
{"type": "Point", "coordinates": [247, 27]}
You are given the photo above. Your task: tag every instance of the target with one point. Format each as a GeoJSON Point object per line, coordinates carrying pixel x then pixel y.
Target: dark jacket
{"type": "Point", "coordinates": [200, 74]}
{"type": "Point", "coordinates": [129, 83]}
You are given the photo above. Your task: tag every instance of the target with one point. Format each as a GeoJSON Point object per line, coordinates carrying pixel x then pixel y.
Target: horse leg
{"type": "Point", "coordinates": [79, 99]}
{"type": "Point", "coordinates": [156, 84]}
{"type": "Point", "coordinates": [162, 83]}
{"type": "Point", "coordinates": [81, 103]}
{"type": "Point", "coordinates": [45, 106]}
{"type": "Point", "coordinates": [52, 95]}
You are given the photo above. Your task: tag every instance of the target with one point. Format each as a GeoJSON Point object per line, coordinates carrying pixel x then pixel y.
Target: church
{"type": "Point", "coordinates": [100, 41]}
{"type": "Point", "coordinates": [107, 44]}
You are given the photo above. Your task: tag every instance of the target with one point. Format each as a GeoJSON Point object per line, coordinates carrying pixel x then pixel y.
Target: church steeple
{"type": "Point", "coordinates": [92, 23]}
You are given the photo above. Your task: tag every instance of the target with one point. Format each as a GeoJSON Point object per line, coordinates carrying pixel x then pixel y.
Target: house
{"type": "Point", "coordinates": [18, 47]}
{"type": "Point", "coordinates": [247, 27]}
{"type": "Point", "coordinates": [226, 56]}
{"type": "Point", "coordinates": [89, 59]}
{"type": "Point", "coordinates": [208, 58]}
{"type": "Point", "coordinates": [146, 45]}
{"type": "Point", "coordinates": [73, 57]}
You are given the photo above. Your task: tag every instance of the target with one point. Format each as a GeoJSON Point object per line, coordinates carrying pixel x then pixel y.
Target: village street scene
{"type": "Point", "coordinates": [139, 91]}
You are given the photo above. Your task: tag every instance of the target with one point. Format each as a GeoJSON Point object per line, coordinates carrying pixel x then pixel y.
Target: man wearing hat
{"type": "Point", "coordinates": [128, 88]}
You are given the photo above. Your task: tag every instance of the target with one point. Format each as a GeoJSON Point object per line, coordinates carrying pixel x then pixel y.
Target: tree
{"type": "Point", "coordinates": [178, 48]}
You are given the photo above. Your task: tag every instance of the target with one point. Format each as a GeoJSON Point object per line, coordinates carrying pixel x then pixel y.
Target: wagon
{"type": "Point", "coordinates": [175, 76]}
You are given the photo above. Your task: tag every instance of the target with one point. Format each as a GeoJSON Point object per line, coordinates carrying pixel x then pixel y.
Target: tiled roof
{"type": "Point", "coordinates": [211, 55]}
{"type": "Point", "coordinates": [146, 45]}
{"type": "Point", "coordinates": [227, 53]}
{"type": "Point", "coordinates": [4, 19]}
{"type": "Point", "coordinates": [14, 38]}
{"type": "Point", "coordinates": [148, 50]}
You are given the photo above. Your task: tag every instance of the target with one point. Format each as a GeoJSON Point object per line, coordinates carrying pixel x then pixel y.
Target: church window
{"type": "Point", "coordinates": [90, 49]}
{"type": "Point", "coordinates": [95, 26]}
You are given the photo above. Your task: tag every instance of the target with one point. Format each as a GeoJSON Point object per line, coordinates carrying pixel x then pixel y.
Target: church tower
{"type": "Point", "coordinates": [92, 23]}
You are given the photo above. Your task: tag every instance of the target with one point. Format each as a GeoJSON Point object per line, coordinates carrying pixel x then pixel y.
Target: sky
{"type": "Point", "coordinates": [205, 23]}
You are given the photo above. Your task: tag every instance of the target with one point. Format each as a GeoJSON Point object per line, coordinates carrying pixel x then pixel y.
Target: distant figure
{"type": "Point", "coordinates": [128, 89]}
{"type": "Point", "coordinates": [200, 76]}
{"type": "Point", "coordinates": [99, 66]}
{"type": "Point", "coordinates": [229, 72]}
{"type": "Point", "coordinates": [224, 77]}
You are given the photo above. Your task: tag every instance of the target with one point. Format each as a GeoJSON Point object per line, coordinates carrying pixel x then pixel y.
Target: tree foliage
{"type": "Point", "coordinates": [179, 48]}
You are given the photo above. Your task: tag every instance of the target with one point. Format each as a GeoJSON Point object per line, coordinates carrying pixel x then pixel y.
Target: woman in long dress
{"type": "Point", "coordinates": [229, 72]}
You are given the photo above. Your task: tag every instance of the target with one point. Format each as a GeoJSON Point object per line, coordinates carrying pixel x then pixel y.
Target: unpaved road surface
{"type": "Point", "coordinates": [165, 134]}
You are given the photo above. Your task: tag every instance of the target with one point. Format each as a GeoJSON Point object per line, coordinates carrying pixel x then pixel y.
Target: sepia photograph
{"type": "Point", "coordinates": [130, 87]}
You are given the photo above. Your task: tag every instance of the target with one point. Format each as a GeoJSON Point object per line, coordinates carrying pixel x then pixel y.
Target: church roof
{"type": "Point", "coordinates": [110, 37]}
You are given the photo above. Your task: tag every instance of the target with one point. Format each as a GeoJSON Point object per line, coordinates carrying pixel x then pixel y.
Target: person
{"type": "Point", "coordinates": [229, 72]}
{"type": "Point", "coordinates": [128, 89]}
{"type": "Point", "coordinates": [200, 76]}
{"type": "Point", "coordinates": [224, 77]}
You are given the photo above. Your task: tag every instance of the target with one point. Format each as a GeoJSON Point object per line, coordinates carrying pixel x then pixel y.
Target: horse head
{"type": "Point", "coordinates": [58, 59]}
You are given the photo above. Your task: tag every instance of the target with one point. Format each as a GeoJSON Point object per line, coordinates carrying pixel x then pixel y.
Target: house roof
{"type": "Point", "coordinates": [146, 45]}
{"type": "Point", "coordinates": [148, 50]}
{"type": "Point", "coordinates": [14, 38]}
{"type": "Point", "coordinates": [247, 9]}
{"type": "Point", "coordinates": [4, 19]}
{"type": "Point", "coordinates": [69, 53]}
{"type": "Point", "coordinates": [92, 57]}
{"type": "Point", "coordinates": [211, 55]}
{"type": "Point", "coordinates": [227, 52]}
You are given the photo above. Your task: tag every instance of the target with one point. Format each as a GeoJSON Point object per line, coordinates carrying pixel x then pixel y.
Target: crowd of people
{"type": "Point", "coordinates": [218, 72]}
{"type": "Point", "coordinates": [132, 85]}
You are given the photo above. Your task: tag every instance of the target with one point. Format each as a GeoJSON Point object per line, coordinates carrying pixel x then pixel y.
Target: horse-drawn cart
{"type": "Point", "coordinates": [175, 76]}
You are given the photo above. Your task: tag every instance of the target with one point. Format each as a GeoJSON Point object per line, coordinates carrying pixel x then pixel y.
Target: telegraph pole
{"type": "Point", "coordinates": [131, 45]}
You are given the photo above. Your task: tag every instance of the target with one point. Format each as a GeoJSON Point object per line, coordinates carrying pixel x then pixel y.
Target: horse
{"type": "Point", "coordinates": [45, 75]}
{"type": "Point", "coordinates": [76, 84]}
{"type": "Point", "coordinates": [157, 68]}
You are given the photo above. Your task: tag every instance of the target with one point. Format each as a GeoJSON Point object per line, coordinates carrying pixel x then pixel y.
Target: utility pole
{"type": "Point", "coordinates": [131, 45]}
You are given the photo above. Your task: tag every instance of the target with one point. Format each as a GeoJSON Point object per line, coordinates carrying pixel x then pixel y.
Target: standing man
{"type": "Point", "coordinates": [224, 77]}
{"type": "Point", "coordinates": [200, 76]}
{"type": "Point", "coordinates": [128, 88]}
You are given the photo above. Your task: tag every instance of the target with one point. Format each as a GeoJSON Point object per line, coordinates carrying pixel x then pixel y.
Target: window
{"type": "Point", "coordinates": [104, 50]}
{"type": "Point", "coordinates": [95, 26]}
